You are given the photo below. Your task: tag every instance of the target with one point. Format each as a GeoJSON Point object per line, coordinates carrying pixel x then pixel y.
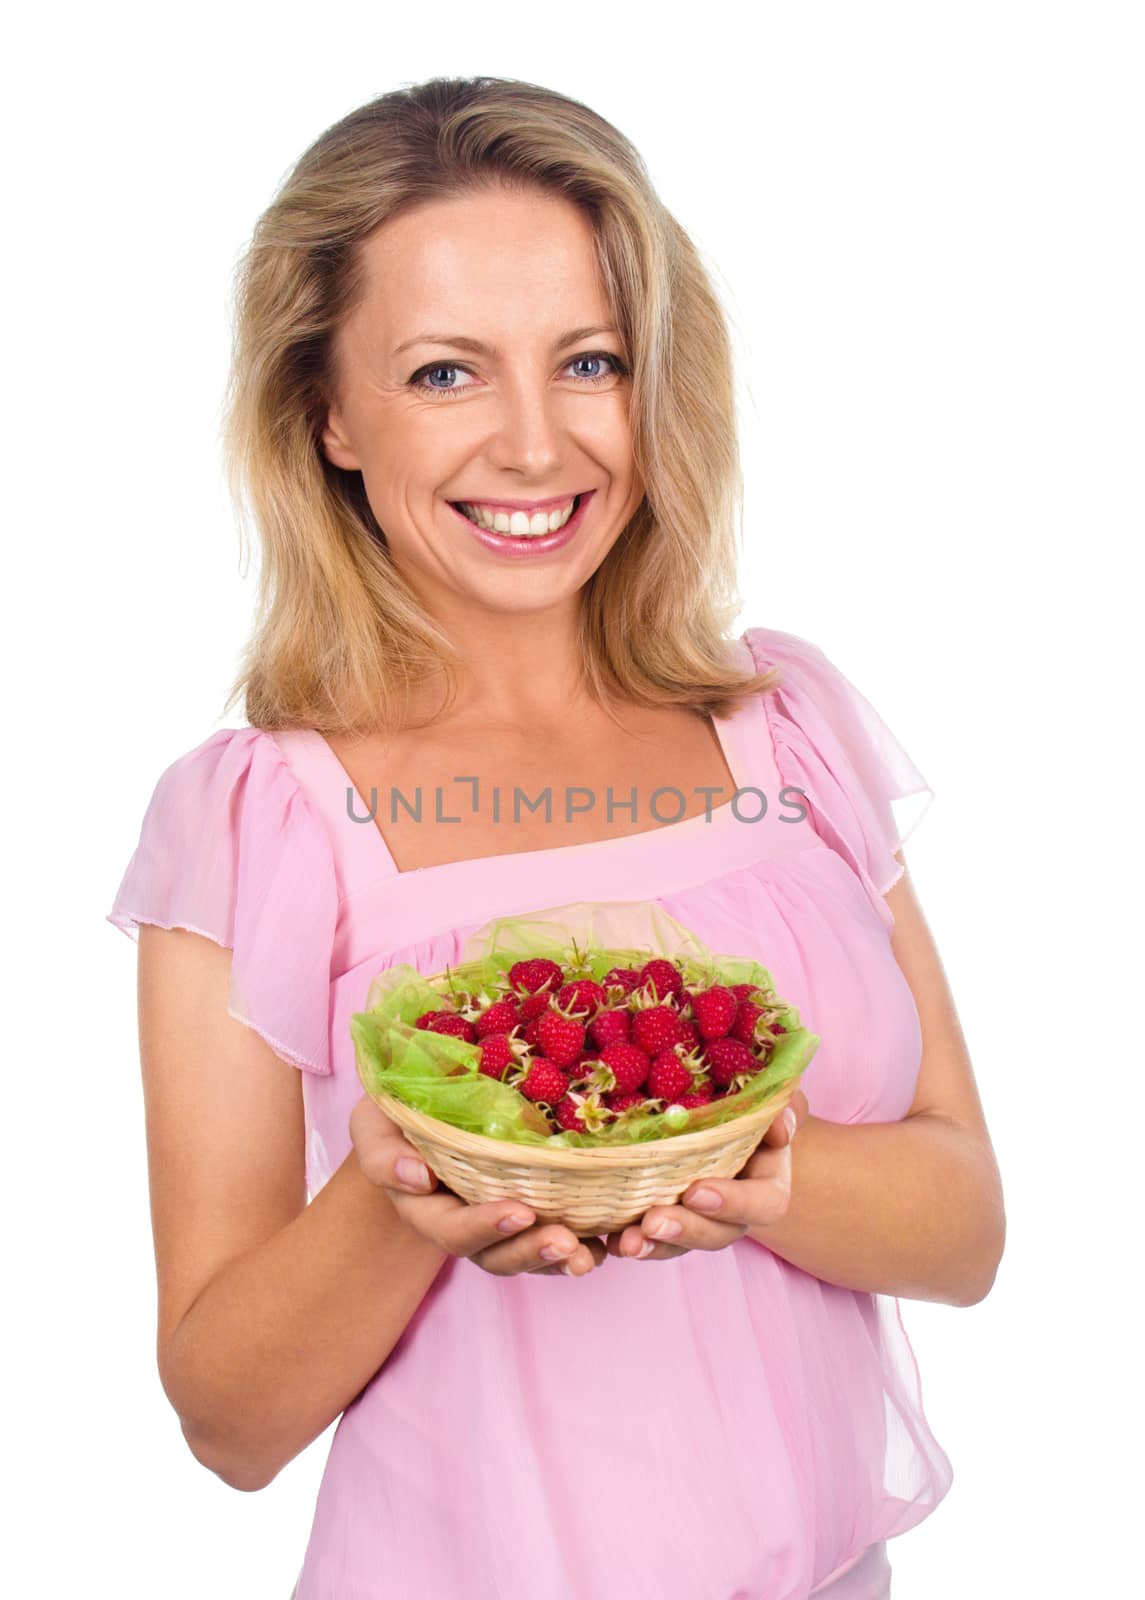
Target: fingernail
{"type": "Point", "coordinates": [414, 1174]}
{"type": "Point", "coordinates": [511, 1224]}
{"type": "Point", "coordinates": [706, 1200]}
{"type": "Point", "coordinates": [790, 1122]}
{"type": "Point", "coordinates": [556, 1252]}
{"type": "Point", "coordinates": [567, 1269]}
{"type": "Point", "coordinates": [646, 1249]}
{"type": "Point", "coordinates": [668, 1229]}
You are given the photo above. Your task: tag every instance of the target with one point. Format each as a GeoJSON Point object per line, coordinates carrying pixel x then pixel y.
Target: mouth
{"type": "Point", "coordinates": [520, 532]}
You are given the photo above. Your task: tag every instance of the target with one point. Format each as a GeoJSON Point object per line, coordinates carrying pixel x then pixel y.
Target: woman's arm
{"type": "Point", "coordinates": [273, 1314]}
{"type": "Point", "coordinates": [912, 1208]}
{"type": "Point", "coordinates": [909, 1208]}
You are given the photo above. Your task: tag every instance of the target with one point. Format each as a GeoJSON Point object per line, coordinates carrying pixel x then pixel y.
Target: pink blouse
{"type": "Point", "coordinates": [719, 1426]}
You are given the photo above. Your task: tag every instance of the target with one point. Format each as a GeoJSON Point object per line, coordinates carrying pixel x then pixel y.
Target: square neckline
{"type": "Point", "coordinates": [374, 851]}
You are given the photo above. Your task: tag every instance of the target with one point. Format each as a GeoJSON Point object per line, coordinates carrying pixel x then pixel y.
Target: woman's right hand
{"type": "Point", "coordinates": [453, 1224]}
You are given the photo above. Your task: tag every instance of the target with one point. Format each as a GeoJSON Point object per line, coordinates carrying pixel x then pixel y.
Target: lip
{"type": "Point", "coordinates": [518, 547]}
{"type": "Point", "coordinates": [528, 506]}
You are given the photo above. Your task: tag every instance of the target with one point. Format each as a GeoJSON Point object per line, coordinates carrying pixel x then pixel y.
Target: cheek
{"type": "Point", "coordinates": [607, 434]}
{"type": "Point", "coordinates": [404, 465]}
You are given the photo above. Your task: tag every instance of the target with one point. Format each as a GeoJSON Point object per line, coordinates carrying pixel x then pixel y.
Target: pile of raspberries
{"type": "Point", "coordinates": [590, 1053]}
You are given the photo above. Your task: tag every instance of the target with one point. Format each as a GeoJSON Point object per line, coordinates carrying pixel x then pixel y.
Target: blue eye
{"type": "Point", "coordinates": [419, 380]}
{"type": "Point", "coordinates": [429, 372]}
{"type": "Point", "coordinates": [577, 359]}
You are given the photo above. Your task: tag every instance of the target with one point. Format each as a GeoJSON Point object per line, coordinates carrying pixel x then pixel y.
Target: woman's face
{"type": "Point", "coordinates": [513, 430]}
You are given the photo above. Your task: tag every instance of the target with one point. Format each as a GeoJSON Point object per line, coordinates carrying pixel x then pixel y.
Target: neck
{"type": "Point", "coordinates": [515, 666]}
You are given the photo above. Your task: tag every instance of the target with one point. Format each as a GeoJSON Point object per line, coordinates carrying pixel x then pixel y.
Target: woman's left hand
{"type": "Point", "coordinates": [759, 1193]}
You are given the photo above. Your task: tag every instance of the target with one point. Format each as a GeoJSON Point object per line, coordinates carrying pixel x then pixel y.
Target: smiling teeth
{"type": "Point", "coordinates": [519, 523]}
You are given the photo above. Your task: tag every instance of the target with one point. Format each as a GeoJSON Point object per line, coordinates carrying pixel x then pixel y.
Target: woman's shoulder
{"type": "Point", "coordinates": [775, 647]}
{"type": "Point", "coordinates": [811, 680]}
{"type": "Point", "coordinates": [221, 812]}
{"type": "Point", "coordinates": [834, 745]}
{"type": "Point", "coordinates": [221, 780]}
{"type": "Point", "coordinates": [234, 793]}
{"type": "Point", "coordinates": [226, 751]}
{"type": "Point", "coordinates": [230, 848]}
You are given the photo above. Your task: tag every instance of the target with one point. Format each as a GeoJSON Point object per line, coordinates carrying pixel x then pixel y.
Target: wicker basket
{"type": "Point", "coordinates": [591, 1191]}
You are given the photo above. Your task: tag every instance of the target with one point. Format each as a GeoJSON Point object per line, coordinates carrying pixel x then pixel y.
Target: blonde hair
{"type": "Point", "coordinates": [340, 637]}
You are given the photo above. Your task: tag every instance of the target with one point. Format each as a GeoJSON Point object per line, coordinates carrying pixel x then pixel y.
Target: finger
{"type": "Point", "coordinates": [597, 1254]}
{"type": "Point", "coordinates": [784, 1128]}
{"type": "Point", "coordinates": [368, 1122]}
{"type": "Point", "coordinates": [458, 1227]}
{"type": "Point", "coordinates": [380, 1146]}
{"type": "Point", "coordinates": [630, 1244]}
{"type": "Point", "coordinates": [675, 1226]}
{"type": "Point", "coordinates": [566, 1253]}
{"type": "Point", "coordinates": [761, 1194]}
{"type": "Point", "coordinates": [534, 1249]}
{"type": "Point", "coordinates": [394, 1163]}
{"type": "Point", "coordinates": [588, 1254]}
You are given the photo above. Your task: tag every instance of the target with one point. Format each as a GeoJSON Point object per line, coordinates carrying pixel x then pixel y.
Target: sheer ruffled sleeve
{"type": "Point", "coordinates": [831, 743]}
{"type": "Point", "coordinates": [230, 848]}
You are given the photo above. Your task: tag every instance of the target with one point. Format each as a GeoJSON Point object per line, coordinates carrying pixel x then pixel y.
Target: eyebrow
{"type": "Point", "coordinates": [459, 341]}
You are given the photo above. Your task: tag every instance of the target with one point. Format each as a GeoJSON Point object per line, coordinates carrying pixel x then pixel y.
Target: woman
{"type": "Point", "coordinates": [482, 411]}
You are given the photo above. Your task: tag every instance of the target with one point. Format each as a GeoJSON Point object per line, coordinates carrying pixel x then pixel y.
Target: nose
{"type": "Point", "coordinates": [527, 433]}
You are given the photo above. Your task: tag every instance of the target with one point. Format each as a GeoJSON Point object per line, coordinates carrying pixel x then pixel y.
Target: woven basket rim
{"type": "Point", "coordinates": [651, 1152]}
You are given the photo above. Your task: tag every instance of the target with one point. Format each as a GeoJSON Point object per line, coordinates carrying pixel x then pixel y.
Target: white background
{"type": "Point", "coordinates": [926, 224]}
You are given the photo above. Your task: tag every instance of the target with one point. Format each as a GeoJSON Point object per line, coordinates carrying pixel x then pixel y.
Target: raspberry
{"type": "Point", "coordinates": [533, 1031]}
{"type": "Point", "coordinates": [568, 1116]}
{"type": "Point", "coordinates": [655, 1029]}
{"type": "Point", "coordinates": [544, 1081]}
{"type": "Point", "coordinates": [623, 1100]}
{"type": "Point", "coordinates": [668, 1077]}
{"type": "Point", "coordinates": [714, 1010]}
{"type": "Point", "coordinates": [609, 1027]}
{"type": "Point", "coordinates": [625, 1065]}
{"type": "Point", "coordinates": [702, 1095]}
{"type": "Point", "coordinates": [743, 1028]}
{"type": "Point", "coordinates": [531, 1005]}
{"type": "Point", "coordinates": [689, 1034]}
{"type": "Point", "coordinates": [497, 1053]}
{"type": "Point", "coordinates": [532, 976]}
{"type": "Point", "coordinates": [626, 978]}
{"type": "Point", "coordinates": [582, 1113]}
{"type": "Point", "coordinates": [497, 1018]}
{"type": "Point", "coordinates": [729, 1059]}
{"type": "Point", "coordinates": [447, 1022]}
{"type": "Point", "coordinates": [559, 1037]}
{"type": "Point", "coordinates": [664, 978]}
{"type": "Point", "coordinates": [582, 997]}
